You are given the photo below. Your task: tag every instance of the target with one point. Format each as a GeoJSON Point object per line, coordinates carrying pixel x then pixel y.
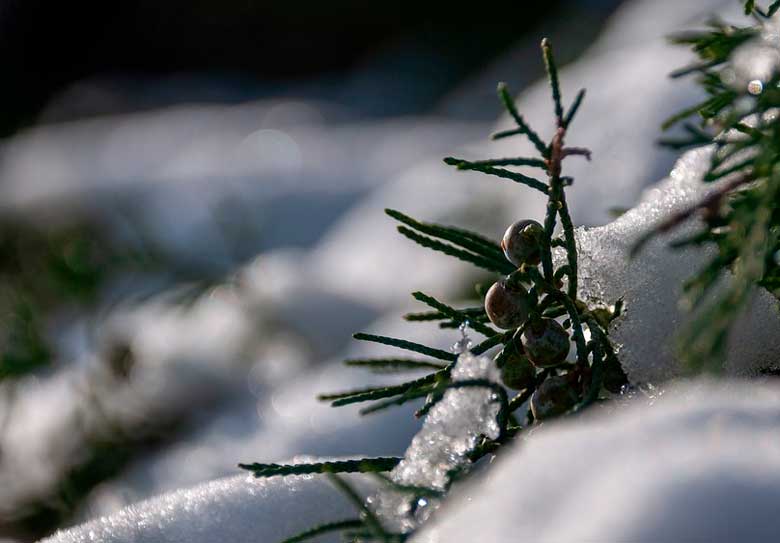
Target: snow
{"type": "Point", "coordinates": [651, 283]}
{"type": "Point", "coordinates": [678, 469]}
{"type": "Point", "coordinates": [701, 464]}
{"type": "Point", "coordinates": [237, 509]}
{"type": "Point", "coordinates": [452, 427]}
{"type": "Point", "coordinates": [451, 431]}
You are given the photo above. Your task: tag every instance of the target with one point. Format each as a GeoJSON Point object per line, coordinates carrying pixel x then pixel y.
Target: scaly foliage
{"type": "Point", "coordinates": [546, 294]}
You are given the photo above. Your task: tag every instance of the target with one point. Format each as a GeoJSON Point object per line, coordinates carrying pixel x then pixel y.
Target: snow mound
{"type": "Point", "coordinates": [235, 509]}
{"type": "Point", "coordinates": [701, 464]}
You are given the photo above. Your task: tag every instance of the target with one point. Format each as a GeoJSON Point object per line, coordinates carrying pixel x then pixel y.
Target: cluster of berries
{"type": "Point", "coordinates": [540, 342]}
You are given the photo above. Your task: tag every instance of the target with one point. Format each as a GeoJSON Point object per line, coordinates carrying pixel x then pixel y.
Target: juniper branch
{"type": "Point", "coordinates": [571, 310]}
{"type": "Point", "coordinates": [408, 396]}
{"type": "Point", "coordinates": [468, 240]}
{"type": "Point", "coordinates": [518, 401]}
{"type": "Point", "coordinates": [522, 126]}
{"type": "Point", "coordinates": [412, 489]}
{"type": "Point", "coordinates": [705, 339]}
{"type": "Point", "coordinates": [380, 393]}
{"type": "Point", "coordinates": [322, 529]}
{"type": "Point", "coordinates": [363, 465]}
{"type": "Point", "coordinates": [477, 260]}
{"type": "Point", "coordinates": [490, 342]}
{"type": "Point", "coordinates": [597, 374]}
{"type": "Point", "coordinates": [697, 137]}
{"type": "Point", "coordinates": [531, 162]}
{"type": "Point", "coordinates": [454, 314]}
{"type": "Point", "coordinates": [382, 365]}
{"type": "Point", "coordinates": [407, 345]}
{"type": "Point", "coordinates": [477, 313]}
{"type": "Point", "coordinates": [570, 244]}
{"type": "Point", "coordinates": [552, 74]}
{"type": "Point", "coordinates": [744, 166]}
{"type": "Point", "coordinates": [498, 172]}
{"type": "Point", "coordinates": [575, 106]}
{"type": "Point", "coordinates": [708, 108]}
{"type": "Point", "coordinates": [369, 518]}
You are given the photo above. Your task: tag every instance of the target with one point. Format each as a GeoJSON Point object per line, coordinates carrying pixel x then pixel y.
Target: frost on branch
{"type": "Point", "coordinates": [451, 431]}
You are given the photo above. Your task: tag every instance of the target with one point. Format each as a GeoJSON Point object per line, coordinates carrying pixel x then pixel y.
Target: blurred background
{"type": "Point", "coordinates": [191, 220]}
{"type": "Point", "coordinates": [68, 62]}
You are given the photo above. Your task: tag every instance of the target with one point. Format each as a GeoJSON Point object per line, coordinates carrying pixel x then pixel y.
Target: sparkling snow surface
{"type": "Point", "coordinates": [237, 509]}
{"type": "Point", "coordinates": [701, 464]}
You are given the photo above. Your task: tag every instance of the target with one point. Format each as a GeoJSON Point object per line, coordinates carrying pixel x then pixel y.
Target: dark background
{"type": "Point", "coordinates": [256, 48]}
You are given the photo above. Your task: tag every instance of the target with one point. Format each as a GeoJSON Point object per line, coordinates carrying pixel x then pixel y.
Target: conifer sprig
{"type": "Point", "coordinates": [522, 126]}
{"type": "Point", "coordinates": [473, 313]}
{"type": "Point", "coordinates": [750, 7]}
{"type": "Point", "coordinates": [545, 295]}
{"type": "Point", "coordinates": [380, 393]}
{"type": "Point", "coordinates": [467, 240]}
{"type": "Point", "coordinates": [392, 365]}
{"type": "Point", "coordinates": [575, 107]}
{"type": "Point", "coordinates": [417, 490]}
{"type": "Point", "coordinates": [498, 172]}
{"type": "Point", "coordinates": [370, 520]}
{"type": "Point", "coordinates": [322, 529]}
{"type": "Point", "coordinates": [407, 345]}
{"type": "Point", "coordinates": [520, 161]}
{"type": "Point", "coordinates": [488, 255]}
{"type": "Point", "coordinates": [363, 465]}
{"type": "Point", "coordinates": [552, 75]}
{"type": "Point", "coordinates": [454, 314]}
{"type": "Point", "coordinates": [411, 394]}
{"type": "Point", "coordinates": [487, 263]}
